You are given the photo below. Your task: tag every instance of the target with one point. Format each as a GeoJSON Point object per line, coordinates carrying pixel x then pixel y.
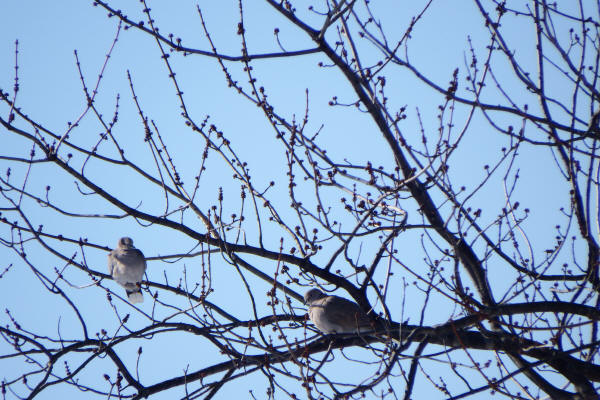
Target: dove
{"type": "Point", "coordinates": [334, 314]}
{"type": "Point", "coordinates": [127, 265]}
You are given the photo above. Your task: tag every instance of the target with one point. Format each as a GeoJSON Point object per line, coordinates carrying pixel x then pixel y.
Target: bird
{"type": "Point", "coordinates": [127, 265]}
{"type": "Point", "coordinates": [334, 314]}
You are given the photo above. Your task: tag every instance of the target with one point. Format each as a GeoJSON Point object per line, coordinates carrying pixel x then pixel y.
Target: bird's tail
{"type": "Point", "coordinates": [135, 296]}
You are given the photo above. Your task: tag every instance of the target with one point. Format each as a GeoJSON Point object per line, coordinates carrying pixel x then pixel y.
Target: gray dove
{"type": "Point", "coordinates": [334, 314]}
{"type": "Point", "coordinates": [127, 265]}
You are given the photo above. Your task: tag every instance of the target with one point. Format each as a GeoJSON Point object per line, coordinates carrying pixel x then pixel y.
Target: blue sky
{"type": "Point", "coordinates": [50, 92]}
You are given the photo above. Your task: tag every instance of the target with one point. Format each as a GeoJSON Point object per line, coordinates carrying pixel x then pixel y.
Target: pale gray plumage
{"type": "Point", "coordinates": [127, 265]}
{"type": "Point", "coordinates": [334, 314]}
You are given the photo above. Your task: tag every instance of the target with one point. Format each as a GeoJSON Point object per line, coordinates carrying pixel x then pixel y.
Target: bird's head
{"type": "Point", "coordinates": [313, 295]}
{"type": "Point", "coordinates": [125, 242]}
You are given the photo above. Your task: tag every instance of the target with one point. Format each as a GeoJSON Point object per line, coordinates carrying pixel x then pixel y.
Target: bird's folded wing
{"type": "Point", "coordinates": [112, 263]}
{"type": "Point", "coordinates": [129, 265]}
{"type": "Point", "coordinates": [344, 313]}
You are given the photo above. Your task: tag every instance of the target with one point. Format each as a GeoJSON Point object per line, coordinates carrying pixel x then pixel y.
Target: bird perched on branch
{"type": "Point", "coordinates": [127, 265]}
{"type": "Point", "coordinates": [334, 314]}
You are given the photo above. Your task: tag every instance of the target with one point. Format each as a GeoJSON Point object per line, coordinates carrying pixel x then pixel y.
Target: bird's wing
{"type": "Point", "coordinates": [135, 265]}
{"type": "Point", "coordinates": [111, 263]}
{"type": "Point", "coordinates": [344, 313]}
{"type": "Point", "coordinates": [129, 266]}
{"type": "Point", "coordinates": [142, 260]}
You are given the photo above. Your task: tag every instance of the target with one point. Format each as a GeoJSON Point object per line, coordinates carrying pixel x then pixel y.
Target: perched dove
{"type": "Point", "coordinates": [334, 314]}
{"type": "Point", "coordinates": [127, 265]}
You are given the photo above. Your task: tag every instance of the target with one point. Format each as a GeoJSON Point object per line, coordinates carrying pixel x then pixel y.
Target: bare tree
{"type": "Point", "coordinates": [455, 202]}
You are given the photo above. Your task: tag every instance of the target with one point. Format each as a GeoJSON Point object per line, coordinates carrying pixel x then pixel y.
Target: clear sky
{"type": "Point", "coordinates": [50, 91]}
